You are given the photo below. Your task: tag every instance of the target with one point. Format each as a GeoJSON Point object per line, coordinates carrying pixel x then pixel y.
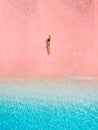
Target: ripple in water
{"type": "Point", "coordinates": [48, 106]}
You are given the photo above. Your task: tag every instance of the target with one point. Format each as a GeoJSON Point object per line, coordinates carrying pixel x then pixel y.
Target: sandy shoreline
{"type": "Point", "coordinates": [68, 90]}
{"type": "Point", "coordinates": [25, 102]}
{"type": "Point", "coordinates": [77, 79]}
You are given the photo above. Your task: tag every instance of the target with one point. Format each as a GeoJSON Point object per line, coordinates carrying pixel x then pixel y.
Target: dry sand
{"type": "Point", "coordinates": [25, 27]}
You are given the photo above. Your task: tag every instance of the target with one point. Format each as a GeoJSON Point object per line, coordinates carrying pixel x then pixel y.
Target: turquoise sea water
{"type": "Point", "coordinates": [60, 105]}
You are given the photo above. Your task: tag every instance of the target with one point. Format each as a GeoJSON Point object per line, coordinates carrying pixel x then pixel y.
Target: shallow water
{"type": "Point", "coordinates": [58, 105]}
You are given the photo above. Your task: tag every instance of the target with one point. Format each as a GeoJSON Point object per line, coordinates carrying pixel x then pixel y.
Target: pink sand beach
{"type": "Point", "coordinates": [25, 26]}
